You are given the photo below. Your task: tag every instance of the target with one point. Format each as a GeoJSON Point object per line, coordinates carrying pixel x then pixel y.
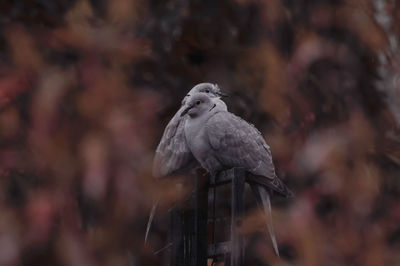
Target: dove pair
{"type": "Point", "coordinates": [204, 133]}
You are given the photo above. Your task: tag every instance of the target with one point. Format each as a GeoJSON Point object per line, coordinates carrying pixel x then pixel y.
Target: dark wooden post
{"type": "Point", "coordinates": [189, 223]}
{"type": "Point", "coordinates": [189, 227]}
{"type": "Point", "coordinates": [233, 250]}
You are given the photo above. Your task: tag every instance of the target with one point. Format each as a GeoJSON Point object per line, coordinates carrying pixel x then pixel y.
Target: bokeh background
{"type": "Point", "coordinates": [87, 87]}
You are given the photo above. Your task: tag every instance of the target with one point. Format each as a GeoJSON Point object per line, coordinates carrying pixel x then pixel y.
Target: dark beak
{"type": "Point", "coordinates": [186, 110]}
{"type": "Point", "coordinates": [212, 107]}
{"type": "Point", "coordinates": [222, 95]}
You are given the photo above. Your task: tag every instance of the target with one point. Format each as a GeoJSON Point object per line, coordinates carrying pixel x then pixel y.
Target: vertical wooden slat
{"type": "Point", "coordinates": [189, 242]}
{"type": "Point", "coordinates": [237, 245]}
{"type": "Point", "coordinates": [200, 244]}
{"type": "Point", "coordinates": [177, 237]}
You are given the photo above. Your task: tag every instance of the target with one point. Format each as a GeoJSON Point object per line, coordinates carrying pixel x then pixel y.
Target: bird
{"type": "Point", "coordinates": [220, 140]}
{"type": "Point", "coordinates": [172, 155]}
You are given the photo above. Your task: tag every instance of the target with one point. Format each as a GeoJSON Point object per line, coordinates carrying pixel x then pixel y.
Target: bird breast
{"type": "Point", "coordinates": [196, 138]}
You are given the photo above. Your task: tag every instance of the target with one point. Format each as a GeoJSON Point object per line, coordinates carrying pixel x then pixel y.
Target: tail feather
{"type": "Point", "coordinates": [267, 208]}
{"type": "Point", "coordinates": [275, 184]}
{"type": "Point", "coordinates": [150, 221]}
{"type": "Point", "coordinates": [263, 199]}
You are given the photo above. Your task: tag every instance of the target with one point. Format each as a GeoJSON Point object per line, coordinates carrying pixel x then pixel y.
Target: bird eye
{"type": "Point", "coordinates": [207, 91]}
{"type": "Point", "coordinates": [198, 102]}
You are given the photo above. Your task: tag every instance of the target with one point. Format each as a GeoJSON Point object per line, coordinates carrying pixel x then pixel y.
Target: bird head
{"type": "Point", "coordinates": [201, 103]}
{"type": "Point", "coordinates": [212, 90]}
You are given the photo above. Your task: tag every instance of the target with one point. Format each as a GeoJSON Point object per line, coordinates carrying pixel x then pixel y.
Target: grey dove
{"type": "Point", "coordinates": [220, 140]}
{"type": "Point", "coordinates": [173, 155]}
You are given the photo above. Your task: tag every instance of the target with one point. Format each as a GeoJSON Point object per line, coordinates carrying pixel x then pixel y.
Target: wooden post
{"type": "Point", "coordinates": [189, 224]}
{"type": "Point", "coordinates": [189, 227]}
{"type": "Point", "coordinates": [233, 250]}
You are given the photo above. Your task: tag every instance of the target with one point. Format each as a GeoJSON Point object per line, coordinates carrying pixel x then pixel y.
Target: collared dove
{"type": "Point", "coordinates": [220, 140]}
{"type": "Point", "coordinates": [173, 155]}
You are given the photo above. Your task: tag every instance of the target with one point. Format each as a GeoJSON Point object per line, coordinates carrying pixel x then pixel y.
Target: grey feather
{"type": "Point", "coordinates": [150, 221]}
{"type": "Point", "coordinates": [239, 144]}
{"type": "Point", "coordinates": [236, 143]}
{"type": "Point", "coordinates": [172, 153]}
{"type": "Point", "coordinates": [263, 200]}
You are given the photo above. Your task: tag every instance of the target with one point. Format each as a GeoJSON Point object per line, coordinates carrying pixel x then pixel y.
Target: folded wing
{"type": "Point", "coordinates": [239, 144]}
{"type": "Point", "coordinates": [173, 154]}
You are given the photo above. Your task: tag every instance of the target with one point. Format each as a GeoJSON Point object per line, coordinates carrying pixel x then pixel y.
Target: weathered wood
{"type": "Point", "coordinates": [219, 249]}
{"type": "Point", "coordinates": [201, 212]}
{"type": "Point", "coordinates": [237, 246]}
{"type": "Point", "coordinates": [177, 237]}
{"type": "Point", "coordinates": [189, 224]}
{"type": "Point", "coordinates": [189, 227]}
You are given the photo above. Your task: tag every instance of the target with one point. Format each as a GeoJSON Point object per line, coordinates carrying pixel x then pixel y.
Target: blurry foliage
{"type": "Point", "coordinates": [86, 88]}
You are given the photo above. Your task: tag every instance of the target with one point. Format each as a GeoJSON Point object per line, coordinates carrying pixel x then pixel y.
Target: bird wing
{"type": "Point", "coordinates": [239, 144]}
{"type": "Point", "coordinates": [173, 154]}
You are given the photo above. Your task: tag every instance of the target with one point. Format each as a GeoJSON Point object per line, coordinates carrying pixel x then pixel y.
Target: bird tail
{"type": "Point", "coordinates": [263, 199]}
{"type": "Point", "coordinates": [275, 184]}
{"type": "Point", "coordinates": [150, 221]}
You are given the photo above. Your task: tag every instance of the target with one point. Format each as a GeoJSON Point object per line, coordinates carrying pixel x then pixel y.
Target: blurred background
{"type": "Point", "coordinates": [87, 87]}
